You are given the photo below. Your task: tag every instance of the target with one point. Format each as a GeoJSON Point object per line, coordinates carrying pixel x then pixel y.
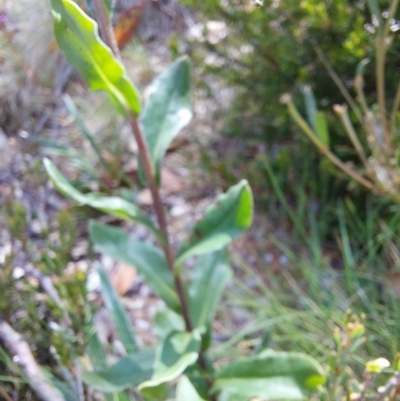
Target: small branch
{"type": "Point", "coordinates": [322, 147]}
{"type": "Point", "coordinates": [341, 111]}
{"type": "Point", "coordinates": [381, 49]}
{"type": "Point", "coordinates": [5, 395]}
{"type": "Point", "coordinates": [395, 108]}
{"type": "Point", "coordinates": [392, 12]}
{"type": "Point", "coordinates": [335, 77]}
{"type": "Point", "coordinates": [105, 27]}
{"type": "Point", "coordinates": [23, 357]}
{"type": "Point", "coordinates": [149, 173]}
{"type": "Point", "coordinates": [359, 87]}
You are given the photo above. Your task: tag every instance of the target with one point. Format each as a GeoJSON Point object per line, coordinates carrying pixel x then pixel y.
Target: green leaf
{"type": "Point", "coordinates": [127, 372]}
{"type": "Point", "coordinates": [185, 391]}
{"type": "Point", "coordinates": [148, 260]}
{"type": "Point", "coordinates": [77, 36]}
{"type": "Point", "coordinates": [211, 273]}
{"type": "Point", "coordinates": [311, 105]}
{"type": "Point", "coordinates": [158, 393]}
{"type": "Point", "coordinates": [176, 353]}
{"type": "Point", "coordinates": [113, 205]}
{"type": "Point", "coordinates": [78, 120]}
{"type": "Point", "coordinates": [95, 349]}
{"type": "Point", "coordinates": [270, 376]}
{"type": "Point", "coordinates": [321, 127]}
{"type": "Point", "coordinates": [227, 218]}
{"type": "Point", "coordinates": [68, 393]}
{"type": "Point", "coordinates": [120, 396]}
{"type": "Point", "coordinates": [166, 322]}
{"type": "Point", "coordinates": [361, 67]}
{"type": "Point", "coordinates": [316, 119]}
{"type": "Point", "coordinates": [375, 11]}
{"type": "Point", "coordinates": [167, 111]}
{"type": "Point", "coordinates": [117, 313]}
{"type": "Point", "coordinates": [97, 356]}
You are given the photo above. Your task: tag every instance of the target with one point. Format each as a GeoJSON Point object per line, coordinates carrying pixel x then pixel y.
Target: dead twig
{"type": "Point", "coordinates": [23, 357]}
{"type": "Point", "coordinates": [5, 395]}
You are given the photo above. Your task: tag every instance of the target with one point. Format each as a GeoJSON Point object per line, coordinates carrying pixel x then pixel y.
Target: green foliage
{"type": "Point", "coordinates": [113, 205]}
{"type": "Point", "coordinates": [375, 133]}
{"type": "Point", "coordinates": [167, 110]}
{"type": "Point", "coordinates": [343, 381]}
{"type": "Point", "coordinates": [127, 372]}
{"type": "Point", "coordinates": [210, 276]}
{"type": "Point", "coordinates": [51, 314]}
{"type": "Point", "coordinates": [77, 35]}
{"type": "Point", "coordinates": [177, 351]}
{"type": "Point", "coordinates": [147, 259]}
{"type": "Point", "coordinates": [184, 328]}
{"type": "Point", "coordinates": [118, 314]}
{"type": "Point", "coordinates": [270, 375]}
{"type": "Point", "coordinates": [271, 49]}
{"type": "Point", "coordinates": [186, 391]}
{"type": "Point", "coordinates": [224, 220]}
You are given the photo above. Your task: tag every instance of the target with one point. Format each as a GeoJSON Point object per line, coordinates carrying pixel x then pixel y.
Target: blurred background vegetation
{"type": "Point", "coordinates": [322, 243]}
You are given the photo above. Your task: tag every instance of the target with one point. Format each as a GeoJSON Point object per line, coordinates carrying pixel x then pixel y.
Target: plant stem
{"type": "Point", "coordinates": [148, 171]}
{"type": "Point", "coordinates": [381, 49]}
{"type": "Point", "coordinates": [335, 77]}
{"type": "Point", "coordinates": [105, 26]}
{"type": "Point", "coordinates": [348, 126]}
{"type": "Point", "coordinates": [106, 29]}
{"type": "Point", "coordinates": [5, 395]}
{"type": "Point", "coordinates": [322, 147]}
{"type": "Point", "coordinates": [20, 350]}
{"type": "Point", "coordinates": [395, 108]}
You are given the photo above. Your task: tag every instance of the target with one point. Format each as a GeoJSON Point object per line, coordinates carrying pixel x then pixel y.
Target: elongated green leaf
{"type": "Point", "coordinates": [98, 359]}
{"type": "Point", "coordinates": [167, 111]}
{"type": "Point", "coordinates": [117, 313]}
{"type": "Point", "coordinates": [167, 322]}
{"type": "Point", "coordinates": [77, 36]}
{"type": "Point", "coordinates": [361, 67]}
{"type": "Point", "coordinates": [178, 351]}
{"type": "Point", "coordinates": [67, 390]}
{"type": "Point", "coordinates": [147, 259]}
{"type": "Point", "coordinates": [321, 127]}
{"type": "Point", "coordinates": [228, 217]}
{"type": "Point", "coordinates": [185, 391]}
{"type": "Point", "coordinates": [158, 393]}
{"type": "Point", "coordinates": [311, 105]}
{"type": "Point", "coordinates": [82, 126]}
{"type": "Point", "coordinates": [127, 372]}
{"type": "Point", "coordinates": [95, 350]}
{"type": "Point", "coordinates": [211, 274]}
{"type": "Point", "coordinates": [270, 376]}
{"type": "Point", "coordinates": [316, 119]}
{"type": "Point", "coordinates": [120, 396]}
{"type": "Point", "coordinates": [113, 205]}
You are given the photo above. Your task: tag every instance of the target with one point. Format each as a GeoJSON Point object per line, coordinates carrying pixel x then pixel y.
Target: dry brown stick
{"type": "Point", "coordinates": [105, 27]}
{"type": "Point", "coordinates": [4, 394]}
{"type": "Point", "coordinates": [22, 355]}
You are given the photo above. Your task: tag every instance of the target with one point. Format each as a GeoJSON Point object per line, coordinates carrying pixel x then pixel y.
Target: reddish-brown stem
{"type": "Point", "coordinates": [106, 29]}
{"type": "Point", "coordinates": [109, 38]}
{"type": "Point", "coordinates": [158, 207]}
{"type": "Point", "coordinates": [105, 26]}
